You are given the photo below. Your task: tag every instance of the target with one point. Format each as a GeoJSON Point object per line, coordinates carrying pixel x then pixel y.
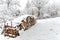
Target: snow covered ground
{"type": "Point", "coordinates": [47, 29]}
{"type": "Point", "coordinates": [44, 29]}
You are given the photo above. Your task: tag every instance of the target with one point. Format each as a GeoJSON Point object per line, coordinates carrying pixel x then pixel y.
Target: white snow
{"type": "Point", "coordinates": [47, 29]}
{"type": "Point", "coordinates": [44, 29]}
{"type": "Point", "coordinates": [18, 20]}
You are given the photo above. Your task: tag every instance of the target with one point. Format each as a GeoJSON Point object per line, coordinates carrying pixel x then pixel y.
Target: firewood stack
{"type": "Point", "coordinates": [27, 23]}
{"type": "Point", "coordinates": [10, 31]}
{"type": "Point", "coordinates": [13, 31]}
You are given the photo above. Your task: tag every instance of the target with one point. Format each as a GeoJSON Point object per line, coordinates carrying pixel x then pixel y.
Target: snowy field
{"type": "Point", "coordinates": [46, 29]}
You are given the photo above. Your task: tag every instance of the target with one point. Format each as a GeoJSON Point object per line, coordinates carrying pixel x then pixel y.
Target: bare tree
{"type": "Point", "coordinates": [28, 6]}
{"type": "Point", "coordinates": [9, 8]}
{"type": "Point", "coordinates": [39, 4]}
{"type": "Point", "coordinates": [53, 10]}
{"type": "Point", "coordinates": [12, 7]}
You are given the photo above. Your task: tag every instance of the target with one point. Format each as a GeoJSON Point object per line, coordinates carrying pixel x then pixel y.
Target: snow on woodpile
{"type": "Point", "coordinates": [13, 27]}
{"type": "Point", "coordinates": [18, 20]}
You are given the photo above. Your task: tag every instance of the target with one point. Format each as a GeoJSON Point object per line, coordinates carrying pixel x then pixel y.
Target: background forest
{"type": "Point", "coordinates": [10, 9]}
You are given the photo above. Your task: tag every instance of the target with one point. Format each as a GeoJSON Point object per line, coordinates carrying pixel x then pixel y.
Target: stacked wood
{"type": "Point", "coordinates": [14, 32]}
{"type": "Point", "coordinates": [27, 23]}
{"type": "Point", "coordinates": [10, 31]}
{"type": "Point", "coordinates": [31, 20]}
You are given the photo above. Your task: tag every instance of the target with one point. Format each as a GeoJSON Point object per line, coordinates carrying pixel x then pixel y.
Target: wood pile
{"type": "Point", "coordinates": [10, 31]}
{"type": "Point", "coordinates": [25, 24]}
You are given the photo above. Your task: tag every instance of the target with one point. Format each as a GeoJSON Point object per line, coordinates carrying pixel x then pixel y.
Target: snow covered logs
{"type": "Point", "coordinates": [10, 31]}
{"type": "Point", "coordinates": [27, 23]}
{"type": "Point", "coordinates": [13, 31]}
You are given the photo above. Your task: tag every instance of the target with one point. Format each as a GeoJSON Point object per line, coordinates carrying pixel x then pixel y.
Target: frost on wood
{"type": "Point", "coordinates": [13, 31]}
